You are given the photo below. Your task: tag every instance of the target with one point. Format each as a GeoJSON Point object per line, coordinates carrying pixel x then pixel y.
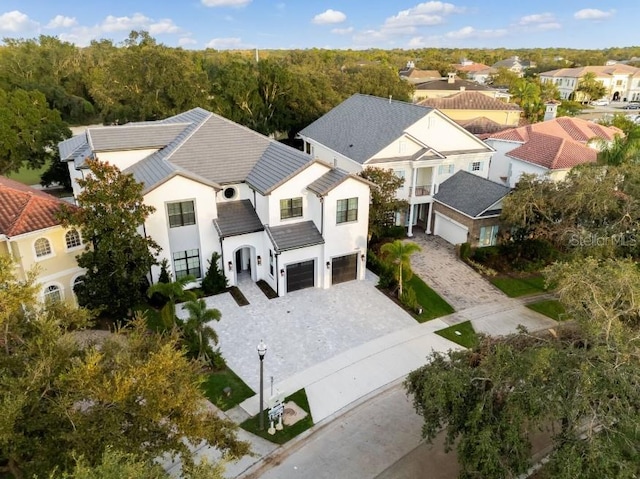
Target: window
{"type": "Point", "coordinates": [52, 294]}
{"type": "Point", "coordinates": [187, 263]}
{"type": "Point", "coordinates": [347, 210]}
{"type": "Point", "coordinates": [402, 146]}
{"type": "Point", "coordinates": [445, 169]}
{"type": "Point", "coordinates": [77, 282]}
{"type": "Point", "coordinates": [400, 174]}
{"type": "Point", "coordinates": [488, 236]}
{"type": "Point", "coordinates": [271, 262]}
{"type": "Point", "coordinates": [42, 247]}
{"type": "Point", "coordinates": [475, 166]}
{"type": "Point", "coordinates": [181, 214]}
{"type": "Point", "coordinates": [72, 238]}
{"type": "Point", "coordinates": [290, 208]}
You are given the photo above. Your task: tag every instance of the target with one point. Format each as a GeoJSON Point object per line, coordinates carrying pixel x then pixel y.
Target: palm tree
{"type": "Point", "coordinates": [620, 150]}
{"type": "Point", "coordinates": [399, 253]}
{"type": "Point", "coordinates": [173, 292]}
{"type": "Point", "coordinates": [198, 334]}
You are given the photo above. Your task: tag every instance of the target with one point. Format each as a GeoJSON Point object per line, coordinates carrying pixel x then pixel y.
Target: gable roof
{"type": "Point", "coordinates": [469, 100]}
{"type": "Point", "coordinates": [481, 125]}
{"type": "Point", "coordinates": [456, 85]}
{"type": "Point", "coordinates": [196, 144]}
{"type": "Point", "coordinates": [24, 209]}
{"type": "Point", "coordinates": [237, 218]}
{"type": "Point", "coordinates": [553, 153]}
{"type": "Point", "coordinates": [294, 236]}
{"type": "Point", "coordinates": [470, 194]}
{"type": "Point", "coordinates": [377, 121]}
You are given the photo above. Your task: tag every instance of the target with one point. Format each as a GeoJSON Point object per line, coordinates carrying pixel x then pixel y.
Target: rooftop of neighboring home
{"type": "Point", "coordinates": [469, 100]}
{"type": "Point", "coordinates": [471, 195]}
{"type": "Point", "coordinates": [24, 209]}
{"type": "Point", "coordinates": [453, 83]}
{"type": "Point", "coordinates": [599, 70]}
{"type": "Point", "coordinates": [555, 144]}
{"type": "Point", "coordinates": [482, 125]}
{"type": "Point", "coordinates": [413, 74]}
{"type": "Point", "coordinates": [197, 144]}
{"type": "Point", "coordinates": [473, 67]}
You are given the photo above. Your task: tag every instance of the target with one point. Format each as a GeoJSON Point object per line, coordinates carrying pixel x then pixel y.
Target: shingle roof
{"type": "Point", "coordinates": [237, 218]}
{"type": "Point", "coordinates": [24, 209]}
{"type": "Point", "coordinates": [470, 194]}
{"type": "Point", "coordinates": [444, 84]}
{"type": "Point", "coordinates": [469, 100]}
{"type": "Point", "coordinates": [294, 236]}
{"type": "Point", "coordinates": [378, 122]}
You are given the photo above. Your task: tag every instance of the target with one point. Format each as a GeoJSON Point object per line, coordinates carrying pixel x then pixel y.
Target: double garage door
{"type": "Point", "coordinates": [450, 230]}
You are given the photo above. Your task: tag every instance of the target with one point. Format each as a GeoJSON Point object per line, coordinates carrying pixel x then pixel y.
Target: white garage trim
{"type": "Point", "coordinates": [451, 230]}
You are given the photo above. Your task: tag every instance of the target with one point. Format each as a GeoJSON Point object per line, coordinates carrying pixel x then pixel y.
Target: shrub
{"type": "Point", "coordinates": [385, 272]}
{"type": "Point", "coordinates": [214, 281]}
{"type": "Point", "coordinates": [158, 300]}
{"type": "Point", "coordinates": [465, 251]}
{"type": "Point", "coordinates": [409, 298]}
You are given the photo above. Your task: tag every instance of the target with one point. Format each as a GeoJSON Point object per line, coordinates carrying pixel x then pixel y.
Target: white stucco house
{"type": "Point", "coordinates": [419, 143]}
{"type": "Point", "coordinates": [270, 211]}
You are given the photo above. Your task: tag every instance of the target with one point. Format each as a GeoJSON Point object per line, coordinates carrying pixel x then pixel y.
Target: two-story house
{"type": "Point", "coordinates": [31, 234]}
{"type": "Point", "coordinates": [622, 82]}
{"type": "Point", "coordinates": [420, 144]}
{"type": "Point", "coordinates": [269, 210]}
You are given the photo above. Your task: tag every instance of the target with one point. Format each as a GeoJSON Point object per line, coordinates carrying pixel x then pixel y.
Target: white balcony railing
{"type": "Point", "coordinates": [423, 190]}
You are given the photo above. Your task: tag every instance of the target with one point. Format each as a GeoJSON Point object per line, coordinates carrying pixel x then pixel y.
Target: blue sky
{"type": "Point", "coordinates": [355, 24]}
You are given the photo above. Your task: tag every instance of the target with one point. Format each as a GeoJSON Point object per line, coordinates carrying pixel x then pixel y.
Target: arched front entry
{"type": "Point", "coordinates": [244, 260]}
{"type": "Point", "coordinates": [616, 96]}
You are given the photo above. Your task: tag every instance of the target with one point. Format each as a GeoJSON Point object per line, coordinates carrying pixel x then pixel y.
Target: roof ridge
{"type": "Point", "coordinates": [186, 138]}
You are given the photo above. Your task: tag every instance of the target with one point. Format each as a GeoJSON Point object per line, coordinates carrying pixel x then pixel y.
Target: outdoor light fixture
{"type": "Point", "coordinates": [230, 265]}
{"type": "Point", "coordinates": [281, 272]}
{"type": "Point", "coordinates": [259, 260]}
{"type": "Point", "coordinates": [362, 256]}
{"type": "Point", "coordinates": [328, 265]}
{"type": "Point", "coordinates": [262, 350]}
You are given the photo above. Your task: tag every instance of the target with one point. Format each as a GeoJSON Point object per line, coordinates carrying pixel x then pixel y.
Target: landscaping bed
{"type": "Point", "coordinates": [266, 289]}
{"type": "Point", "coordinates": [462, 334]}
{"type": "Point", "coordinates": [238, 296]}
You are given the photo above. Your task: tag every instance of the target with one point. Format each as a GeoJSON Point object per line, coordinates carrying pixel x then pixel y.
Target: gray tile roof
{"type": "Point", "coordinates": [362, 125]}
{"type": "Point", "coordinates": [470, 194]}
{"type": "Point", "coordinates": [237, 218]}
{"type": "Point", "coordinates": [69, 146]}
{"type": "Point", "coordinates": [134, 137]}
{"type": "Point", "coordinates": [277, 164]}
{"type": "Point", "coordinates": [328, 181]}
{"type": "Point", "coordinates": [294, 236]}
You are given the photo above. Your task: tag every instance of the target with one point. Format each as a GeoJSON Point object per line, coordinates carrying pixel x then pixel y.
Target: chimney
{"type": "Point", "coordinates": [451, 78]}
{"type": "Point", "coordinates": [462, 88]}
{"type": "Point", "coordinates": [550, 110]}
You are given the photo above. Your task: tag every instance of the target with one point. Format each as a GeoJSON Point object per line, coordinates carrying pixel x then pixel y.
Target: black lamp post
{"type": "Point", "coordinates": [262, 350]}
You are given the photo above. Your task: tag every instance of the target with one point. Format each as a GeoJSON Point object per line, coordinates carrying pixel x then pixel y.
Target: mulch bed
{"type": "Point", "coordinates": [238, 296]}
{"type": "Point", "coordinates": [266, 289]}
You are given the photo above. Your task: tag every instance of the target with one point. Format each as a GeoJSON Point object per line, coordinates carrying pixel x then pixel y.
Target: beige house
{"type": "Point", "coordinates": [621, 81]}
{"type": "Point", "coordinates": [32, 235]}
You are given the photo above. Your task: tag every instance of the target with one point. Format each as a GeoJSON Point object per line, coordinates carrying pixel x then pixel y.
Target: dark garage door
{"type": "Point", "coordinates": [344, 268]}
{"type": "Point", "coordinates": [301, 275]}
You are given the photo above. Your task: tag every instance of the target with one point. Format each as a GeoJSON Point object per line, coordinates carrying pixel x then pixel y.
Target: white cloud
{"type": "Point", "coordinates": [416, 42]}
{"type": "Point", "coordinates": [184, 41]}
{"type": "Point", "coordinates": [470, 32]}
{"type": "Point", "coordinates": [592, 14]}
{"type": "Point", "coordinates": [423, 14]}
{"type": "Point", "coordinates": [15, 21]}
{"type": "Point", "coordinates": [329, 17]}
{"type": "Point", "coordinates": [227, 43]}
{"type": "Point", "coordinates": [60, 21]}
{"type": "Point", "coordinates": [225, 3]}
{"type": "Point", "coordinates": [342, 31]}
{"type": "Point", "coordinates": [165, 25]}
{"type": "Point", "coordinates": [537, 18]}
{"type": "Point", "coordinates": [114, 24]}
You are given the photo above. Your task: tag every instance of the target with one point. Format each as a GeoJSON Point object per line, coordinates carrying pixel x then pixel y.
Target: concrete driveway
{"type": "Point", "coordinates": [439, 267]}
{"type": "Point", "coordinates": [302, 328]}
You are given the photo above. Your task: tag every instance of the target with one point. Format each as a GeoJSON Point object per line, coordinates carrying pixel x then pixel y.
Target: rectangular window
{"type": "Point", "coordinates": [181, 214]}
{"type": "Point", "coordinates": [291, 208]}
{"type": "Point", "coordinates": [402, 146]}
{"type": "Point", "coordinates": [400, 174]}
{"type": "Point", "coordinates": [271, 262]}
{"type": "Point", "coordinates": [488, 236]}
{"type": "Point", "coordinates": [445, 169]}
{"type": "Point", "coordinates": [475, 166]}
{"type": "Point", "coordinates": [187, 263]}
{"type": "Point", "coordinates": [347, 210]}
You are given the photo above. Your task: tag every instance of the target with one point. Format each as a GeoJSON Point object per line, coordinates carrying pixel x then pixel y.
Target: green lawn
{"type": "Point", "coordinates": [28, 176]}
{"type": "Point", "coordinates": [433, 306]}
{"type": "Point", "coordinates": [515, 287]}
{"type": "Point", "coordinates": [551, 308]}
{"type": "Point", "coordinates": [215, 383]}
{"type": "Point", "coordinates": [462, 334]}
{"type": "Point", "coordinates": [289, 432]}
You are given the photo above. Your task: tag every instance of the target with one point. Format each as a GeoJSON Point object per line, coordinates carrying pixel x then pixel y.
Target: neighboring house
{"type": "Point", "coordinates": [420, 144]}
{"type": "Point", "coordinates": [32, 235]}
{"type": "Point", "coordinates": [269, 210]}
{"type": "Point", "coordinates": [549, 148]}
{"type": "Point", "coordinates": [621, 81]}
{"type": "Point", "coordinates": [465, 106]}
{"type": "Point", "coordinates": [477, 72]}
{"type": "Point", "coordinates": [467, 209]}
{"type": "Point", "coordinates": [514, 64]}
{"type": "Point", "coordinates": [447, 86]}
{"type": "Point", "coordinates": [414, 75]}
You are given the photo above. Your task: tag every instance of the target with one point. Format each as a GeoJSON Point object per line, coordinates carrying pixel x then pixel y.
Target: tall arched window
{"type": "Point", "coordinates": [72, 238]}
{"type": "Point", "coordinates": [42, 247]}
{"type": "Point", "coordinates": [52, 294]}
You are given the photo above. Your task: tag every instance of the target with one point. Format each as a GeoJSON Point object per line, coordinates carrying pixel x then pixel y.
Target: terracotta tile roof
{"type": "Point", "coordinates": [575, 129]}
{"type": "Point", "coordinates": [468, 100]}
{"type": "Point", "coordinates": [553, 153]}
{"type": "Point", "coordinates": [474, 67]}
{"type": "Point", "coordinates": [24, 209]}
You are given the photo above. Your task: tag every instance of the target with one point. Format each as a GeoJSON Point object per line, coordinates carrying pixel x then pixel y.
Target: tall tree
{"type": "Point", "coordinates": [399, 253]}
{"type": "Point", "coordinates": [117, 257]}
{"type": "Point", "coordinates": [384, 201]}
{"type": "Point", "coordinates": [30, 130]}
{"type": "Point", "coordinates": [589, 88]}
{"type": "Point", "coordinates": [198, 334]}
{"type": "Point", "coordinates": [172, 292]}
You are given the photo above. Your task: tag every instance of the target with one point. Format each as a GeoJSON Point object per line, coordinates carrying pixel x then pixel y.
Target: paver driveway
{"type": "Point", "coordinates": [438, 265]}
{"type": "Point", "coordinates": [302, 328]}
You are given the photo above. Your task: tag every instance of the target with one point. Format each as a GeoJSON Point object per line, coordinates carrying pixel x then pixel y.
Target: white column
{"type": "Point", "coordinates": [428, 230]}
{"type": "Point", "coordinates": [414, 177]}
